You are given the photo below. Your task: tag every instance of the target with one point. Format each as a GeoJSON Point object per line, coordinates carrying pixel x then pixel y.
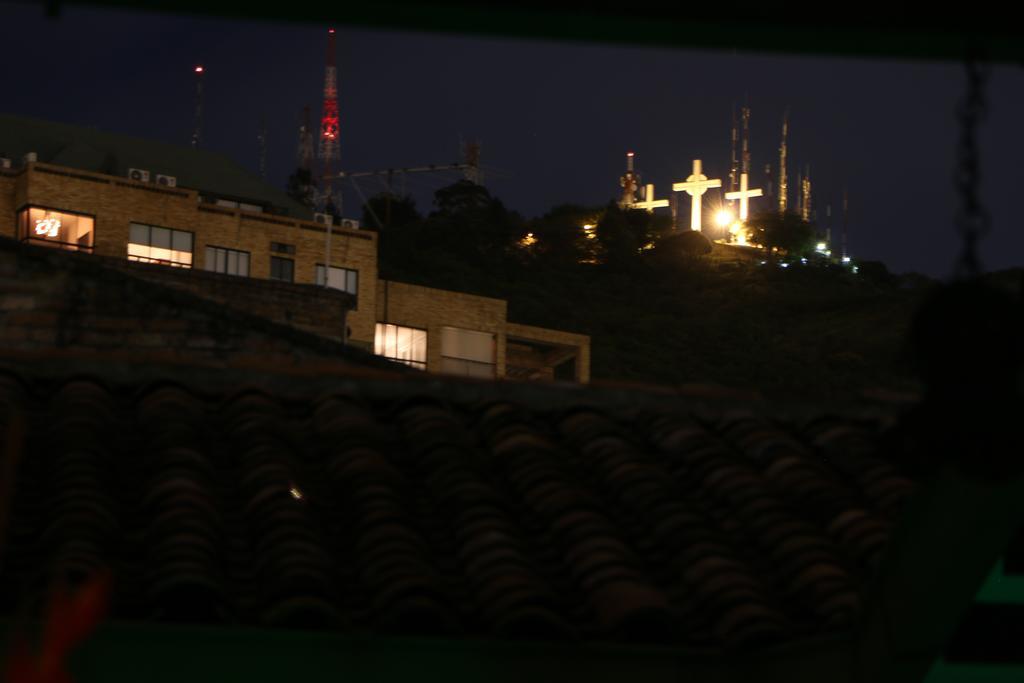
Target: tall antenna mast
{"type": "Point", "coordinates": [828, 225]}
{"type": "Point", "coordinates": [198, 125]}
{"type": "Point", "coordinates": [262, 139]}
{"type": "Point", "coordinates": [734, 177]}
{"type": "Point", "coordinates": [846, 257]}
{"type": "Point", "coordinates": [745, 114]}
{"type": "Point", "coordinates": [471, 158]}
{"type": "Point", "coordinates": [805, 193]}
{"type": "Point", "coordinates": [799, 192]}
{"type": "Point", "coordinates": [783, 181]}
{"type": "Point", "coordinates": [328, 151]}
{"type": "Point", "coordinates": [305, 153]}
{"type": "Point", "coordinates": [630, 183]}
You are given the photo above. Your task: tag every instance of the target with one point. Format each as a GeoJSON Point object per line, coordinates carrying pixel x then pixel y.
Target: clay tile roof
{"type": "Point", "coordinates": [414, 510]}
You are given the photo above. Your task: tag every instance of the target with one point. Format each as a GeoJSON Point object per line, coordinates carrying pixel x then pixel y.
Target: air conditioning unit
{"type": "Point", "coordinates": [31, 157]}
{"type": "Point", "coordinates": [350, 223]}
{"type": "Point", "coordinates": [5, 163]}
{"type": "Point", "coordinates": [322, 218]}
{"type": "Point", "coordinates": [168, 180]}
{"type": "Point", "coordinates": [138, 174]}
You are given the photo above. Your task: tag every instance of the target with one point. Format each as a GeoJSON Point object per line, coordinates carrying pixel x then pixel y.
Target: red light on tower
{"type": "Point", "coordinates": [199, 69]}
{"type": "Point", "coordinates": [629, 154]}
{"type": "Point", "coordinates": [330, 30]}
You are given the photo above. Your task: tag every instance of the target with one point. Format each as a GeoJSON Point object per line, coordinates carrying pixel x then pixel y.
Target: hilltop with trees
{"type": "Point", "coordinates": [664, 306]}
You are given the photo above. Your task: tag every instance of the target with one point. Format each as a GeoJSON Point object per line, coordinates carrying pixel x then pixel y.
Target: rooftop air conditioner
{"type": "Point", "coordinates": [322, 218]}
{"type": "Point", "coordinates": [168, 180]}
{"type": "Point", "coordinates": [4, 162]}
{"type": "Point", "coordinates": [31, 157]}
{"type": "Point", "coordinates": [350, 223]}
{"type": "Point", "coordinates": [138, 174]}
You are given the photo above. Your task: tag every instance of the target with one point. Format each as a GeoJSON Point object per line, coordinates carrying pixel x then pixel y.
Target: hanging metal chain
{"type": "Point", "coordinates": [972, 219]}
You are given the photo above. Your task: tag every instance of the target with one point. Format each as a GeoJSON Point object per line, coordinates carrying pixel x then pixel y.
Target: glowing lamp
{"type": "Point", "coordinates": [330, 30]}
{"type": "Point", "coordinates": [296, 493]}
{"type": "Point", "coordinates": [821, 247]}
{"type": "Point", "coordinates": [48, 227]}
{"type": "Point", "coordinates": [846, 259]}
{"type": "Point", "coordinates": [723, 218]}
{"type": "Point", "coordinates": [199, 69]}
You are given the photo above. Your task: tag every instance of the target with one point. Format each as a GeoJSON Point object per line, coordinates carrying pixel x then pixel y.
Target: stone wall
{"type": "Point", "coordinates": [56, 304]}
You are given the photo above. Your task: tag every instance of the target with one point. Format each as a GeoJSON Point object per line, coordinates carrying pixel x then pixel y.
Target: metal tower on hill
{"type": "Point", "coordinates": [305, 153]}
{"type": "Point", "coordinates": [198, 123]}
{"type": "Point", "coordinates": [328, 150]}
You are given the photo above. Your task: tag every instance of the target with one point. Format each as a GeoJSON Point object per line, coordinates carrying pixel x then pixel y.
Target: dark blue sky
{"type": "Point", "coordinates": [554, 119]}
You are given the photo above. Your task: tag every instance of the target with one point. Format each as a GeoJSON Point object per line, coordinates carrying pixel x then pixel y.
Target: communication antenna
{"type": "Point", "coordinates": [198, 124]}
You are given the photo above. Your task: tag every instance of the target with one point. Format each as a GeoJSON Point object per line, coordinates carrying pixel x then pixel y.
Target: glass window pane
{"type": "Point", "coordinates": [243, 264]}
{"type": "Point", "coordinates": [232, 264]}
{"type": "Point", "coordinates": [181, 240]}
{"type": "Point", "coordinates": [138, 250]}
{"type": "Point", "coordinates": [419, 345]}
{"type": "Point", "coordinates": [160, 237]}
{"type": "Point", "coordinates": [209, 262]}
{"type": "Point", "coordinates": [139, 234]}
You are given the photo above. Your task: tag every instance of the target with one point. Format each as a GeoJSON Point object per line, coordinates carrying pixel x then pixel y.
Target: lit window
{"type": "Point", "coordinates": [282, 269]}
{"type": "Point", "coordinates": [153, 244]}
{"type": "Point", "coordinates": [345, 279]}
{"type": "Point", "coordinates": [403, 344]}
{"type": "Point", "coordinates": [230, 261]}
{"type": "Point", "coordinates": [467, 352]}
{"type": "Point", "coordinates": [60, 229]}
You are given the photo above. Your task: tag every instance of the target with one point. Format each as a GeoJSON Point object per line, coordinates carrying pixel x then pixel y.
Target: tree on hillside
{"type": "Point", "coordinates": [301, 187]}
{"type": "Point", "coordinates": [786, 232]}
{"type": "Point", "coordinates": [394, 211]}
{"type": "Point", "coordinates": [472, 224]}
{"type": "Point", "coordinates": [560, 236]}
{"type": "Point", "coordinates": [681, 245]}
{"type": "Point", "coordinates": [618, 236]}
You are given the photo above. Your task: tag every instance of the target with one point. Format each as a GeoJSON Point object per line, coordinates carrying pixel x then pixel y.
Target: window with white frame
{"type": "Point", "coordinates": [345, 279]}
{"type": "Point", "coordinates": [467, 352]}
{"type": "Point", "coordinates": [229, 261]}
{"type": "Point", "coordinates": [153, 244]}
{"type": "Point", "coordinates": [403, 344]}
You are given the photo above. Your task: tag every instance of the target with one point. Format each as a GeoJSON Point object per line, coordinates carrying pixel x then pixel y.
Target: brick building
{"type": "Point", "coordinates": [81, 189]}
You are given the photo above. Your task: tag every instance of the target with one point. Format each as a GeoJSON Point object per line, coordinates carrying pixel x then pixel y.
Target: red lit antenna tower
{"type": "Point", "coordinates": [328, 150]}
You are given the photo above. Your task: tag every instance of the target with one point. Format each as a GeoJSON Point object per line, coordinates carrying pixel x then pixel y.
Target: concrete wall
{"type": "Point", "coordinates": [431, 309]}
{"type": "Point", "coordinates": [558, 338]}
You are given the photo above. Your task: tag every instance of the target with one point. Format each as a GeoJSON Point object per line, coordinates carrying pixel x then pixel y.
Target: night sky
{"type": "Point", "coordinates": [554, 119]}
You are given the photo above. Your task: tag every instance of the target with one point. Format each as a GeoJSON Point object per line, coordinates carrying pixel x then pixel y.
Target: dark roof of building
{"type": "Point", "coordinates": [431, 506]}
{"type": "Point", "coordinates": [99, 151]}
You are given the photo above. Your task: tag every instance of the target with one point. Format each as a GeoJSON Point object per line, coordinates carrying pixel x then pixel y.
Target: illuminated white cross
{"type": "Point", "coordinates": [744, 196]}
{"type": "Point", "coordinates": [696, 185]}
{"type": "Point", "coordinates": [649, 203]}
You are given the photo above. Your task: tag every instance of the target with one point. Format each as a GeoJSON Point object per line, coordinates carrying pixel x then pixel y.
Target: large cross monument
{"type": "Point", "coordinates": [744, 196]}
{"type": "Point", "coordinates": [650, 203]}
{"type": "Point", "coordinates": [695, 186]}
